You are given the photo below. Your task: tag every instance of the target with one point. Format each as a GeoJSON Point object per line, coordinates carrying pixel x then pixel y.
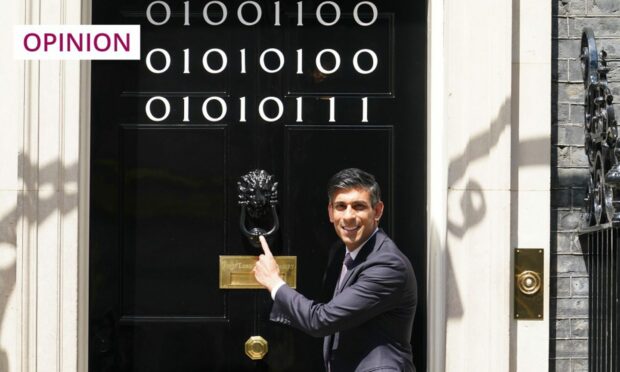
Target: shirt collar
{"type": "Point", "coordinates": [354, 253]}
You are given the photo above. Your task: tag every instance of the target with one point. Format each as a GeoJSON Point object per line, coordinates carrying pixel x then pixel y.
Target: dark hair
{"type": "Point", "coordinates": [352, 178]}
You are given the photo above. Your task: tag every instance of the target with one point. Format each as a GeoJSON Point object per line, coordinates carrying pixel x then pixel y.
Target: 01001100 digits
{"type": "Point", "coordinates": [215, 13]}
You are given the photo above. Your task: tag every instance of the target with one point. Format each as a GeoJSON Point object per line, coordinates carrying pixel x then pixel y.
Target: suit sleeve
{"type": "Point", "coordinates": [375, 290]}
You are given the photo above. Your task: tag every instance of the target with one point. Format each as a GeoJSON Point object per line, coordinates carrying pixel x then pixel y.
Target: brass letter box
{"type": "Point", "coordinates": [236, 271]}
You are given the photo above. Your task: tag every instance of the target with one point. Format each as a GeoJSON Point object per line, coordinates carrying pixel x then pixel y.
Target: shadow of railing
{"type": "Point", "coordinates": [473, 204]}
{"type": "Point", "coordinates": [32, 209]}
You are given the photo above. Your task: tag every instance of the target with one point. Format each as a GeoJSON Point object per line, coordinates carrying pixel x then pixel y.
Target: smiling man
{"type": "Point", "coordinates": [367, 324]}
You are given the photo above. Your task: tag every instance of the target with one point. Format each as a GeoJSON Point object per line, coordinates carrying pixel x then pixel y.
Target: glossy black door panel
{"type": "Point", "coordinates": [171, 220]}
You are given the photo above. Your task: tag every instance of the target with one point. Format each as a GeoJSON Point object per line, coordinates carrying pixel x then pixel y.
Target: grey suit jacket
{"type": "Point", "coordinates": [367, 324]}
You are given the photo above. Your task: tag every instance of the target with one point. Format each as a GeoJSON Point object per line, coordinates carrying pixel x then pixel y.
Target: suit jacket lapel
{"type": "Point", "coordinates": [331, 341]}
{"type": "Point", "coordinates": [370, 246]}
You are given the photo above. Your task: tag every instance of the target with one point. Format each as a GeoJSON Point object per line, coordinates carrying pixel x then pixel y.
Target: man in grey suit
{"type": "Point", "coordinates": [367, 324]}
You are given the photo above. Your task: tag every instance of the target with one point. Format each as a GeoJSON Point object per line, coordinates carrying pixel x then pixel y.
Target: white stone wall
{"type": "Point", "coordinates": [41, 243]}
{"type": "Point", "coordinates": [478, 135]}
{"type": "Point", "coordinates": [530, 155]}
{"type": "Point", "coordinates": [497, 63]}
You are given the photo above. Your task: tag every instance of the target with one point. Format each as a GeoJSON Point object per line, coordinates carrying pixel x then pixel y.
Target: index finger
{"type": "Point", "coordinates": [263, 243]}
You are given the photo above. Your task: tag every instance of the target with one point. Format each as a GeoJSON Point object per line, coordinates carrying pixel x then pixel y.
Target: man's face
{"type": "Point", "coordinates": [353, 216]}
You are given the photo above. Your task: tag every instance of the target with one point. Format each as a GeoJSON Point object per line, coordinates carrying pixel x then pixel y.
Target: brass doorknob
{"type": "Point", "coordinates": [256, 347]}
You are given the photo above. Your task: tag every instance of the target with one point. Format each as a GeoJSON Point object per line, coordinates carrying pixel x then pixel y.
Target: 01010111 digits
{"type": "Point", "coordinates": [214, 109]}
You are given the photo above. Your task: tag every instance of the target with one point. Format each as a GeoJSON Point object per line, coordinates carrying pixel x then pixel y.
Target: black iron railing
{"type": "Point", "coordinates": [600, 237]}
{"type": "Point", "coordinates": [601, 136]}
{"type": "Point", "coordinates": [600, 247]}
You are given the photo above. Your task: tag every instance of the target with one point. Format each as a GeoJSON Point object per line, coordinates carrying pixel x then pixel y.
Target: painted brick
{"type": "Point", "coordinates": [562, 156]}
{"type": "Point", "coordinates": [571, 135]}
{"type": "Point", "coordinates": [561, 25]}
{"type": "Point", "coordinates": [577, 246]}
{"type": "Point", "coordinates": [579, 195]}
{"type": "Point", "coordinates": [576, 115]}
{"type": "Point", "coordinates": [574, 70]}
{"type": "Point", "coordinates": [560, 113]}
{"type": "Point", "coordinates": [569, 177]}
{"type": "Point", "coordinates": [561, 198]}
{"type": "Point", "coordinates": [562, 288]}
{"type": "Point", "coordinates": [568, 48]}
{"type": "Point", "coordinates": [579, 328]}
{"type": "Point", "coordinates": [614, 70]}
{"type": "Point", "coordinates": [602, 7]}
{"type": "Point", "coordinates": [578, 365]}
{"type": "Point", "coordinates": [560, 71]}
{"type": "Point", "coordinates": [568, 220]}
{"type": "Point", "coordinates": [570, 264]}
{"type": "Point", "coordinates": [578, 157]}
{"type": "Point", "coordinates": [579, 286]}
{"type": "Point", "coordinates": [570, 92]}
{"type": "Point", "coordinates": [563, 242]}
{"type": "Point", "coordinates": [611, 46]}
{"type": "Point", "coordinates": [561, 328]}
{"type": "Point", "coordinates": [577, 7]}
{"type": "Point", "coordinates": [559, 365]}
{"type": "Point", "coordinates": [602, 27]}
{"type": "Point", "coordinates": [571, 348]}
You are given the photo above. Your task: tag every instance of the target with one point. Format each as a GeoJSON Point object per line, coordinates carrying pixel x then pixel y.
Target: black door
{"type": "Point", "coordinates": [298, 89]}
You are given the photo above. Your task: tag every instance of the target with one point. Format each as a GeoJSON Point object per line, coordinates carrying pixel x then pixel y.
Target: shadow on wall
{"type": "Point", "coordinates": [473, 205]}
{"type": "Point", "coordinates": [33, 210]}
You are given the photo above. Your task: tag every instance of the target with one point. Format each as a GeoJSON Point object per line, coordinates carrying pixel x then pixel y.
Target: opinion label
{"type": "Point", "coordinates": [76, 42]}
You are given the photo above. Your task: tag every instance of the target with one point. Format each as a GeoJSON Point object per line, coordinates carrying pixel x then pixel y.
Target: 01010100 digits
{"type": "Point", "coordinates": [215, 61]}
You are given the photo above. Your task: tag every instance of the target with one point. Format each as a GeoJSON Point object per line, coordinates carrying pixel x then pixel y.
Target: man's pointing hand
{"type": "Point", "coordinates": [266, 270]}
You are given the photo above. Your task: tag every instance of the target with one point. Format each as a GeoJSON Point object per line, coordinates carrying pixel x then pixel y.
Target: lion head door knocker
{"type": "Point", "coordinates": [258, 194]}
